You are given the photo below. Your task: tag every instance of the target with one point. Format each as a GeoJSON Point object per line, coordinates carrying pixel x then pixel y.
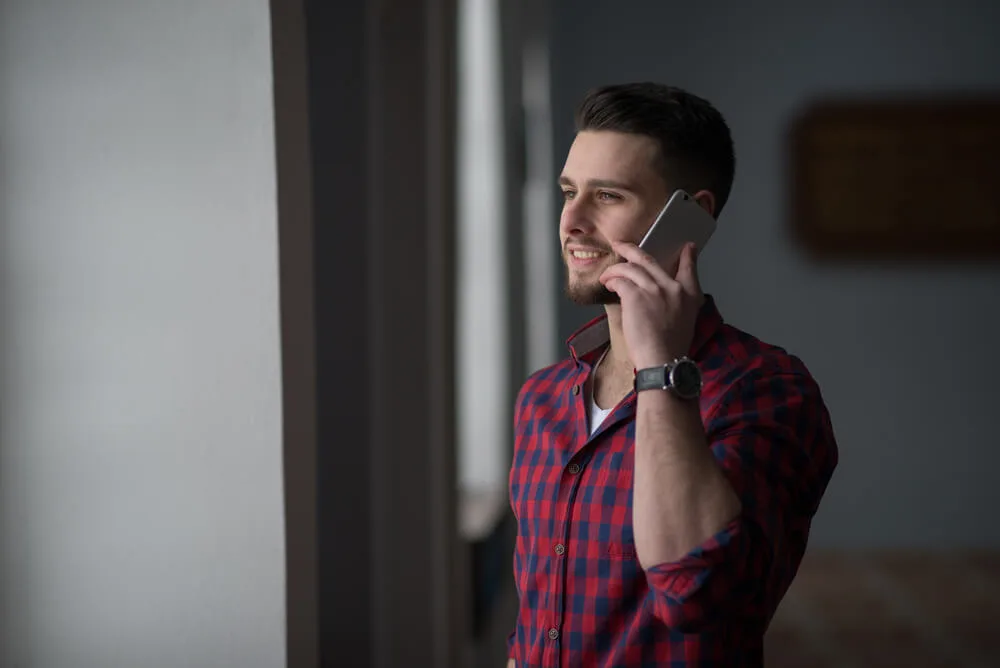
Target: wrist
{"type": "Point", "coordinates": [681, 377]}
{"type": "Point", "coordinates": [654, 359]}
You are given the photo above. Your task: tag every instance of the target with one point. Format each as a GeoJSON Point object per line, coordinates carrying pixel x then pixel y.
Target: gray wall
{"type": "Point", "coordinates": [140, 460]}
{"type": "Point", "coordinates": [906, 355]}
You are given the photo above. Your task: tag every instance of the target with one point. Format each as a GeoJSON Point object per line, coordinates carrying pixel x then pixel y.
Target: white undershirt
{"type": "Point", "coordinates": [596, 413]}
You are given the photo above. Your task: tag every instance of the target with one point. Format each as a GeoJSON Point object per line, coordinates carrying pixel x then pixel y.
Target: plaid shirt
{"type": "Point", "coordinates": [584, 598]}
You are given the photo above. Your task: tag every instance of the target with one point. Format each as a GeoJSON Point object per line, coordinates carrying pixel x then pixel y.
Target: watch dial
{"type": "Point", "coordinates": [686, 379]}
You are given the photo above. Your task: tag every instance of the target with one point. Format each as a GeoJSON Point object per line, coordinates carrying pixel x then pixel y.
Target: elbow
{"type": "Point", "coordinates": [712, 585]}
{"type": "Point", "coordinates": [689, 620]}
{"type": "Point", "coordinates": [690, 625]}
{"type": "Point", "coordinates": [683, 604]}
{"type": "Point", "coordinates": [704, 611]}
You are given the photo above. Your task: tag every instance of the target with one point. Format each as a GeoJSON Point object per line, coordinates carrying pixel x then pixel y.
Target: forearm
{"type": "Point", "coordinates": [681, 497]}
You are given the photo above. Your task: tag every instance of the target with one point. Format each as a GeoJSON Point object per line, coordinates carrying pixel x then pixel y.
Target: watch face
{"type": "Point", "coordinates": [686, 379]}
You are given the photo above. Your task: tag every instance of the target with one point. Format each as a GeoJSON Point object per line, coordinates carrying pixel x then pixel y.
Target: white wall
{"type": "Point", "coordinates": [140, 460]}
{"type": "Point", "coordinates": [906, 355]}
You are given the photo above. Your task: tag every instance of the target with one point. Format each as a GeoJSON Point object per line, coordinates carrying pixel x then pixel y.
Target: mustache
{"type": "Point", "coordinates": [588, 244]}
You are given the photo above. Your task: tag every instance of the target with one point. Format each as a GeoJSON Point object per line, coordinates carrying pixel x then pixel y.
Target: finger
{"type": "Point", "coordinates": [687, 270]}
{"type": "Point", "coordinates": [636, 255]}
{"type": "Point", "coordinates": [622, 287]}
{"type": "Point", "coordinates": [632, 272]}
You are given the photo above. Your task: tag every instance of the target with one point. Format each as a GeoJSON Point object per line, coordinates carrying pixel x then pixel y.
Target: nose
{"type": "Point", "coordinates": [575, 219]}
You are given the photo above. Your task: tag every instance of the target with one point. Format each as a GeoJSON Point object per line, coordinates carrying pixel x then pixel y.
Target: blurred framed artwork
{"type": "Point", "coordinates": [897, 179]}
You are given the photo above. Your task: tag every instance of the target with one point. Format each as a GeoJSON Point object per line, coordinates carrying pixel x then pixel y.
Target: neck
{"type": "Point", "coordinates": [618, 357]}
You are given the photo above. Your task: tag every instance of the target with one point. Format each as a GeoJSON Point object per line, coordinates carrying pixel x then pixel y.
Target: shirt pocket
{"type": "Point", "coordinates": [621, 550]}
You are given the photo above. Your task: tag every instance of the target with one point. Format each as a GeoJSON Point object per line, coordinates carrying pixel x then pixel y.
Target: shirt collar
{"type": "Point", "coordinates": [594, 335]}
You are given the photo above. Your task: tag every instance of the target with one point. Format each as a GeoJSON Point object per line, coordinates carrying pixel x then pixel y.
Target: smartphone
{"type": "Point", "coordinates": [680, 222]}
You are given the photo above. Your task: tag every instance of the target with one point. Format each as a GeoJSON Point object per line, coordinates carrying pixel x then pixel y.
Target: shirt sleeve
{"type": "Point", "coordinates": [772, 438]}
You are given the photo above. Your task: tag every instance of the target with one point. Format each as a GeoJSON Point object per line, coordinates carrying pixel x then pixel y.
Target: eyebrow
{"type": "Point", "coordinates": [599, 183]}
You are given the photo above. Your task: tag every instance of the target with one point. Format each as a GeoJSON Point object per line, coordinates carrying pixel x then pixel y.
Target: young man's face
{"type": "Point", "coordinates": [612, 191]}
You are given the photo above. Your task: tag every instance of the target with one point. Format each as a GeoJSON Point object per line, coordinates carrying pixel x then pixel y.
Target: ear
{"type": "Point", "coordinates": [706, 200]}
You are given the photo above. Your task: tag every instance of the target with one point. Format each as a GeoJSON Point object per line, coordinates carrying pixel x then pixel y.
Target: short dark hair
{"type": "Point", "coordinates": [696, 146]}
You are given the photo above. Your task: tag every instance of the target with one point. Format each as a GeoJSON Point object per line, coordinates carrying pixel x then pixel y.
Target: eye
{"type": "Point", "coordinates": [607, 196]}
{"type": "Point", "coordinates": [568, 194]}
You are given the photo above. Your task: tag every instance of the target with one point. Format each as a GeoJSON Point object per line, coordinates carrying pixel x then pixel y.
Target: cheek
{"type": "Point", "coordinates": [623, 226]}
{"type": "Point", "coordinates": [617, 222]}
{"type": "Point", "coordinates": [637, 227]}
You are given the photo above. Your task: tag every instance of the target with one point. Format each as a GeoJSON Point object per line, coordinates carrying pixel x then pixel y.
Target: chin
{"type": "Point", "coordinates": [583, 288]}
{"type": "Point", "coordinates": [590, 294]}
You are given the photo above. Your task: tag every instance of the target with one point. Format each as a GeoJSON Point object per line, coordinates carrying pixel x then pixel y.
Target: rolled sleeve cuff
{"type": "Point", "coordinates": [693, 590]}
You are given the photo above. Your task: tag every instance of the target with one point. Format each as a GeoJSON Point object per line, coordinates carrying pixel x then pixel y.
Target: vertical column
{"type": "Point", "coordinates": [417, 578]}
{"type": "Point", "coordinates": [367, 275]}
{"type": "Point", "coordinates": [298, 328]}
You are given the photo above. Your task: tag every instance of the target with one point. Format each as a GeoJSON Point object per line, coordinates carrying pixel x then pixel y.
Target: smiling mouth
{"type": "Point", "coordinates": [587, 255]}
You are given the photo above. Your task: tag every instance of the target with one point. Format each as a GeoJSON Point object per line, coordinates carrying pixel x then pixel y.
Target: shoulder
{"type": "Point", "coordinates": [733, 358]}
{"type": "Point", "coordinates": [751, 381]}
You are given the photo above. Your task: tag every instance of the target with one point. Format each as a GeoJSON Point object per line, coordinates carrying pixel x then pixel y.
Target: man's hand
{"type": "Point", "coordinates": [511, 663]}
{"type": "Point", "coordinates": [658, 311]}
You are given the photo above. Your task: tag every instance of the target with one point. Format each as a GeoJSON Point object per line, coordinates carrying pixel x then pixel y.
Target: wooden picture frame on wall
{"type": "Point", "coordinates": [897, 179]}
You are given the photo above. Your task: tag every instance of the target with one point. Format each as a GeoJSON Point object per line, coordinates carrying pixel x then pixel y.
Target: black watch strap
{"type": "Point", "coordinates": [682, 378]}
{"type": "Point", "coordinates": [653, 378]}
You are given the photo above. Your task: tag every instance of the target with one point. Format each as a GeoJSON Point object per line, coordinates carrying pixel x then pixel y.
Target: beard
{"type": "Point", "coordinates": [590, 294]}
{"type": "Point", "coordinates": [584, 292]}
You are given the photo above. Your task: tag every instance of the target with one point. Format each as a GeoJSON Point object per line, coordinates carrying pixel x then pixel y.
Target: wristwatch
{"type": "Point", "coordinates": [682, 378]}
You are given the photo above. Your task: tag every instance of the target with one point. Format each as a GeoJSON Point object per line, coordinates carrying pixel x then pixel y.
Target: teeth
{"type": "Point", "coordinates": [585, 255]}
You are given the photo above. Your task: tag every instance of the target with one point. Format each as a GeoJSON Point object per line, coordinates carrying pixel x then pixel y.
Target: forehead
{"type": "Point", "coordinates": [611, 155]}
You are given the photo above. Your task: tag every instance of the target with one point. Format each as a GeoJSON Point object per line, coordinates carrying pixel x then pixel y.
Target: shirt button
{"type": "Point", "coordinates": [553, 634]}
{"type": "Point", "coordinates": [560, 549]}
{"type": "Point", "coordinates": [574, 469]}
{"type": "Point", "coordinates": [576, 389]}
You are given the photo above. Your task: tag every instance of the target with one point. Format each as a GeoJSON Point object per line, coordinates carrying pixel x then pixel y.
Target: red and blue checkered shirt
{"type": "Point", "coordinates": [584, 598]}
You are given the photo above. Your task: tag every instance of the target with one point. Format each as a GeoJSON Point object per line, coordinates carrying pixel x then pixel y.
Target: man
{"type": "Point", "coordinates": [656, 526]}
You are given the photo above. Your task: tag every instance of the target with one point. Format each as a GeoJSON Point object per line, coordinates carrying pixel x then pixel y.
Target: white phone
{"type": "Point", "coordinates": [681, 221]}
